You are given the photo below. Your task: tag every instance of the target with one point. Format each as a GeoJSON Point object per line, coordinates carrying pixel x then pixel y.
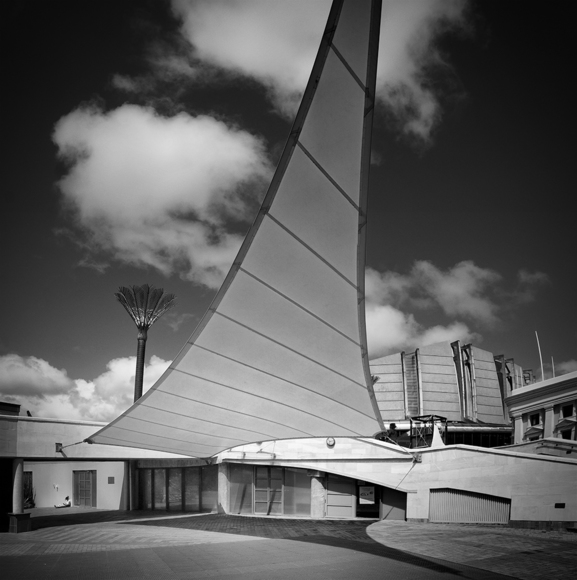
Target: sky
{"type": "Point", "coordinates": [140, 136]}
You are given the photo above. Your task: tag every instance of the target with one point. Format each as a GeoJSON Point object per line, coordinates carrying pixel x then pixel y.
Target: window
{"type": "Point", "coordinates": [534, 419]}
{"type": "Point", "coordinates": [179, 488]}
{"type": "Point", "coordinates": [566, 434]}
{"type": "Point", "coordinates": [567, 411]}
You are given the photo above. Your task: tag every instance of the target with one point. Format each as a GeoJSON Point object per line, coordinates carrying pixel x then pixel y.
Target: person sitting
{"type": "Point", "coordinates": [65, 503]}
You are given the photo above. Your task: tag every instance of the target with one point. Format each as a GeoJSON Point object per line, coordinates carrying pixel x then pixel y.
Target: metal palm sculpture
{"type": "Point", "coordinates": [145, 304]}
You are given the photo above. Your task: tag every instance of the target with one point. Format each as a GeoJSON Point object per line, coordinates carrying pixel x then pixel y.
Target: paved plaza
{"type": "Point", "coordinates": [97, 544]}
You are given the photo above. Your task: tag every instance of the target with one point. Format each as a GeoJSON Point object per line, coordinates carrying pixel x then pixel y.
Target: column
{"type": "Point", "coordinates": [19, 521]}
{"type": "Point", "coordinates": [518, 432]}
{"type": "Point", "coordinates": [549, 421]}
{"type": "Point", "coordinates": [318, 497]}
{"type": "Point", "coordinates": [17, 486]}
{"type": "Point", "coordinates": [223, 489]}
{"type": "Point", "coordinates": [130, 490]}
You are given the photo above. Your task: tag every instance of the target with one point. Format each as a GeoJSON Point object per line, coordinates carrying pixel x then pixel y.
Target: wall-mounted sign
{"type": "Point", "coordinates": [366, 494]}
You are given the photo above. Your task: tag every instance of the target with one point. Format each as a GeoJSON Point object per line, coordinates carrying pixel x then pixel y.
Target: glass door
{"type": "Point", "coordinates": [268, 490]}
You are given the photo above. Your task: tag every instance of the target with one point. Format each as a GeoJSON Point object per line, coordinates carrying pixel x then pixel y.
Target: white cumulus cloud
{"type": "Point", "coordinates": [31, 376]}
{"type": "Point", "coordinates": [275, 42]}
{"type": "Point", "coordinates": [49, 392]}
{"type": "Point", "coordinates": [155, 191]}
{"type": "Point", "coordinates": [389, 330]}
{"type": "Point", "coordinates": [468, 296]}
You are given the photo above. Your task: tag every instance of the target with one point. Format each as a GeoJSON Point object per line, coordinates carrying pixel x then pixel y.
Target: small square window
{"type": "Point", "coordinates": [566, 434]}
{"type": "Point", "coordinates": [111, 480]}
{"type": "Point", "coordinates": [534, 419]}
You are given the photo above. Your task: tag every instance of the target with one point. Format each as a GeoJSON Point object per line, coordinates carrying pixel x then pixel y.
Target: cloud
{"type": "Point", "coordinates": [391, 330]}
{"type": "Point", "coordinates": [411, 65]}
{"type": "Point", "coordinates": [275, 44]}
{"type": "Point", "coordinates": [464, 291]}
{"type": "Point", "coordinates": [32, 377]}
{"type": "Point", "coordinates": [568, 366]}
{"type": "Point", "coordinates": [50, 392]}
{"type": "Point", "coordinates": [529, 284]}
{"type": "Point", "coordinates": [162, 192]}
{"type": "Point", "coordinates": [176, 320]}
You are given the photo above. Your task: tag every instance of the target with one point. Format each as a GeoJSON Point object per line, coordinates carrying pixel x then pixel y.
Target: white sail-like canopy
{"type": "Point", "coordinates": [281, 352]}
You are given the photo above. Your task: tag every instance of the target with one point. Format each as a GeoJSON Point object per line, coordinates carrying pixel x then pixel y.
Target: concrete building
{"type": "Point", "coordinates": [545, 410]}
{"type": "Point", "coordinates": [321, 477]}
{"type": "Point", "coordinates": [461, 383]}
{"type": "Point", "coordinates": [269, 408]}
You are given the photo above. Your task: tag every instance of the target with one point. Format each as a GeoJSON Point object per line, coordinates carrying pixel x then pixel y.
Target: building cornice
{"type": "Point", "coordinates": [563, 387]}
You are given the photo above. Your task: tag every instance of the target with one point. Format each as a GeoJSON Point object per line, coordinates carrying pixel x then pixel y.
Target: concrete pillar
{"type": "Point", "coordinates": [549, 422]}
{"type": "Point", "coordinates": [132, 485]}
{"type": "Point", "coordinates": [17, 486]}
{"type": "Point", "coordinates": [19, 521]}
{"type": "Point", "coordinates": [223, 489]}
{"type": "Point", "coordinates": [318, 497]}
{"type": "Point", "coordinates": [518, 432]}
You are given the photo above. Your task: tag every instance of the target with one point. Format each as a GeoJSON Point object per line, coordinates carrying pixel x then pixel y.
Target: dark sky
{"type": "Point", "coordinates": [491, 186]}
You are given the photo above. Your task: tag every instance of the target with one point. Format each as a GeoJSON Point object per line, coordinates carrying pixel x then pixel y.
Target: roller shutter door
{"type": "Point", "coordinates": [457, 506]}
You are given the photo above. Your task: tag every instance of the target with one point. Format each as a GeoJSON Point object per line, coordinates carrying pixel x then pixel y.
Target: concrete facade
{"type": "Point", "coordinates": [53, 481]}
{"type": "Point", "coordinates": [50, 451]}
{"type": "Point", "coordinates": [543, 410]}
{"type": "Point", "coordinates": [538, 487]}
{"type": "Point", "coordinates": [460, 382]}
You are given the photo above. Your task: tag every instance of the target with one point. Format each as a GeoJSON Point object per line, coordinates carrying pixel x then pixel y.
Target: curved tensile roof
{"type": "Point", "coordinates": [281, 352]}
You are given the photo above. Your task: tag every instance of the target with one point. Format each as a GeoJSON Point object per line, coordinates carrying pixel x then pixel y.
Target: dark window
{"type": "Point", "coordinates": [567, 410]}
{"type": "Point", "coordinates": [566, 434]}
{"type": "Point", "coordinates": [534, 419]}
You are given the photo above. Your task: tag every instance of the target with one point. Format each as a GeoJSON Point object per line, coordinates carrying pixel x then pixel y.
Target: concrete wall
{"type": "Point", "coordinates": [533, 483]}
{"type": "Point", "coordinates": [439, 382]}
{"type": "Point", "coordinates": [488, 390]}
{"type": "Point", "coordinates": [389, 389]}
{"type": "Point", "coordinates": [53, 481]}
{"type": "Point", "coordinates": [35, 438]}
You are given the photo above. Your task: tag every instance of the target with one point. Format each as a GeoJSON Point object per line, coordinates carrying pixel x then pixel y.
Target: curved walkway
{"type": "Point", "coordinates": [76, 543]}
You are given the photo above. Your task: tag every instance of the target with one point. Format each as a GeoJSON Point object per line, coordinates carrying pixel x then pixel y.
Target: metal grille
{"type": "Point", "coordinates": [454, 505]}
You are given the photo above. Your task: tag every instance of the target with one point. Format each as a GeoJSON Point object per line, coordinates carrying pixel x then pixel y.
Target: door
{"type": "Point", "coordinates": [268, 490]}
{"type": "Point", "coordinates": [459, 506]}
{"type": "Point", "coordinates": [85, 488]}
{"type": "Point", "coordinates": [341, 497]}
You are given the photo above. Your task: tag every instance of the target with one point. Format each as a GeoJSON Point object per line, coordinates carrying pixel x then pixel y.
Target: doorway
{"type": "Point", "coordinates": [85, 488]}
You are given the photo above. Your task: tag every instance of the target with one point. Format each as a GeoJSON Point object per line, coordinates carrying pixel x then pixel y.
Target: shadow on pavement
{"type": "Point", "coordinates": [54, 517]}
{"type": "Point", "coordinates": [349, 535]}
